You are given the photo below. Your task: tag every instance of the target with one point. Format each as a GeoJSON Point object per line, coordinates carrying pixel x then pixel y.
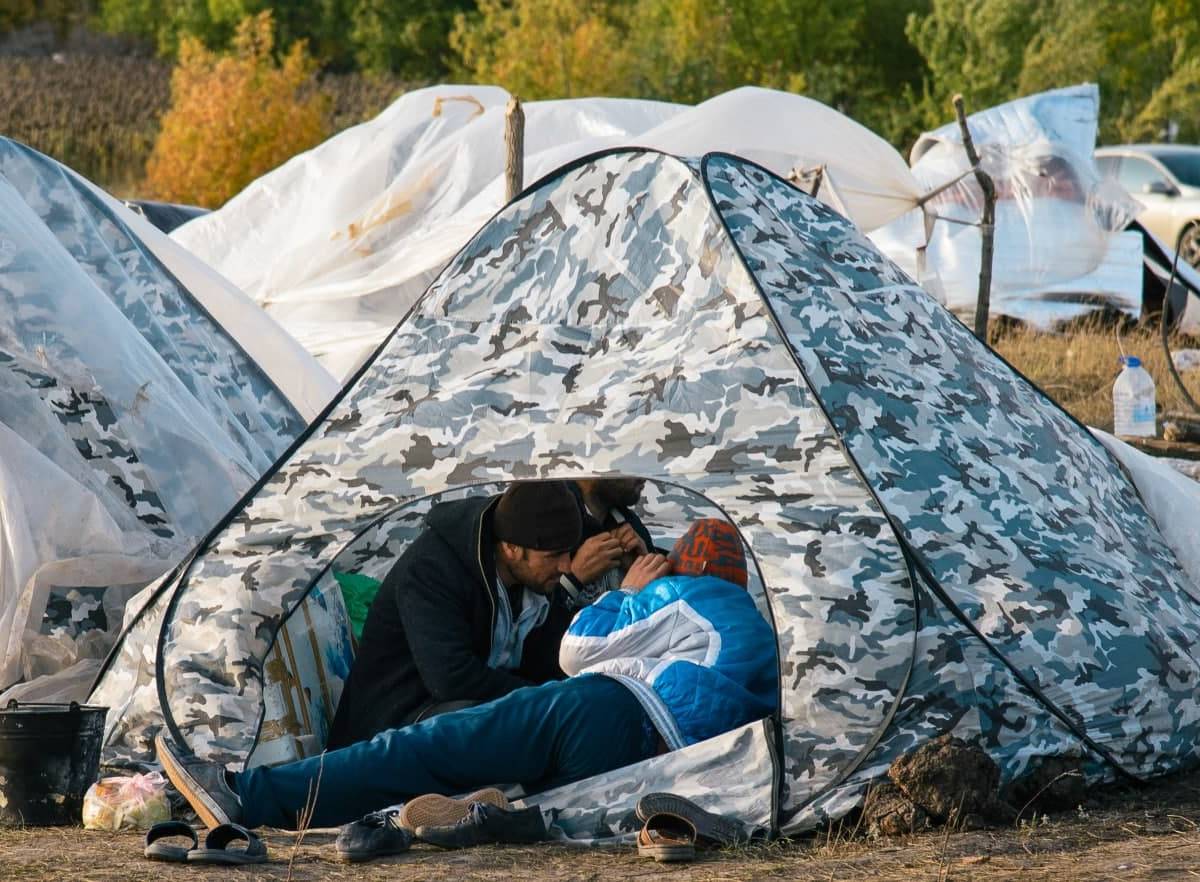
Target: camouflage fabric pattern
{"type": "Point", "coordinates": [606, 324]}
{"type": "Point", "coordinates": [1019, 514]}
{"type": "Point", "coordinates": [635, 358]}
{"type": "Point", "coordinates": [958, 686]}
{"type": "Point", "coordinates": [55, 417]}
{"type": "Point", "coordinates": [74, 611]}
{"type": "Point", "coordinates": [730, 774]}
{"type": "Point", "coordinates": [232, 389]}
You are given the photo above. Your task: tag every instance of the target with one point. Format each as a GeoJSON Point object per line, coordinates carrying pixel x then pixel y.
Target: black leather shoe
{"type": "Point", "coordinates": [378, 834]}
{"type": "Point", "coordinates": [486, 824]}
{"type": "Point", "coordinates": [201, 783]}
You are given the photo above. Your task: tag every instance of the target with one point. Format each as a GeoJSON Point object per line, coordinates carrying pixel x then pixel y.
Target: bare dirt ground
{"type": "Point", "coordinates": [1118, 834]}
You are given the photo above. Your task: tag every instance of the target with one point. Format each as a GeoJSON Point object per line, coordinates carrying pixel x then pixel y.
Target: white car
{"type": "Point", "coordinates": [1166, 179]}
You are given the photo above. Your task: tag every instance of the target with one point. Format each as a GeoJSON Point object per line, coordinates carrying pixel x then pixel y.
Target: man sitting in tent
{"type": "Point", "coordinates": [613, 537]}
{"type": "Point", "coordinates": [469, 612]}
{"type": "Point", "coordinates": [666, 662]}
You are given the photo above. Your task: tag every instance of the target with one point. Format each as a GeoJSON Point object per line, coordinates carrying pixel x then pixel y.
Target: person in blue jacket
{"type": "Point", "coordinates": [690, 646]}
{"type": "Point", "coordinates": [679, 654]}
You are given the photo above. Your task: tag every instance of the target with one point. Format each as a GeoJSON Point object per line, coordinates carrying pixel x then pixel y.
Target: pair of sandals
{"type": "Point", "coordinates": [216, 848]}
{"type": "Point", "coordinates": [674, 827]}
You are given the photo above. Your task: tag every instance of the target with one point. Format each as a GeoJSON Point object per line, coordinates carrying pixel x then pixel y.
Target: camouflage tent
{"type": "Point", "coordinates": [939, 547]}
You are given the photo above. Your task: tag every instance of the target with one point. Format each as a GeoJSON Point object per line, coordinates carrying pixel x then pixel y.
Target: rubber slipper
{"type": "Point", "coordinates": [216, 848]}
{"type": "Point", "coordinates": [157, 850]}
{"type": "Point", "coordinates": [711, 829]}
{"type": "Point", "coordinates": [667, 838]}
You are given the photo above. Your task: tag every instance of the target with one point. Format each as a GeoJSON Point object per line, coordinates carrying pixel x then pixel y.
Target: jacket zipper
{"type": "Point", "coordinates": [487, 583]}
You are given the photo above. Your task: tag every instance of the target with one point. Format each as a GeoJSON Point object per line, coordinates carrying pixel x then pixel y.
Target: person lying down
{"type": "Point", "coordinates": [678, 655]}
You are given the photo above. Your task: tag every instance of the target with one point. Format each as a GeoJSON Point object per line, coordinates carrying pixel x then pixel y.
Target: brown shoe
{"type": "Point", "coordinates": [435, 810]}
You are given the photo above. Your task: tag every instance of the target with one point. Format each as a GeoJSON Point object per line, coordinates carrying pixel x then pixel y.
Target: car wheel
{"type": "Point", "coordinates": [1189, 244]}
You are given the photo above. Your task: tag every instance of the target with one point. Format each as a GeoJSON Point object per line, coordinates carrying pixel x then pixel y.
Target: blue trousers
{"type": "Point", "coordinates": [539, 737]}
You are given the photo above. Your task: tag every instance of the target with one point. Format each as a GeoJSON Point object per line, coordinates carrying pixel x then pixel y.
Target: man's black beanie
{"type": "Point", "coordinates": [538, 514]}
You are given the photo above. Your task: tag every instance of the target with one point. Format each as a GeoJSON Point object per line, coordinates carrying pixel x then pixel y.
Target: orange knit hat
{"type": "Point", "coordinates": [710, 547]}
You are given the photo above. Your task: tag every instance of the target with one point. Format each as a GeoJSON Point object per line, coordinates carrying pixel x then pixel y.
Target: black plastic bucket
{"type": "Point", "coordinates": [49, 756]}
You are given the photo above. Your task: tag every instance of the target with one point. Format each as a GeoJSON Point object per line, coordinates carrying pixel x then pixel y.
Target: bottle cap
{"type": "Point", "coordinates": [1132, 361]}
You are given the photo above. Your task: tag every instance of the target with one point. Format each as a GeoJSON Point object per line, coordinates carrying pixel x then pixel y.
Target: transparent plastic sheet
{"type": "Point", "coordinates": [306, 384]}
{"type": "Point", "coordinates": [1056, 218]}
{"type": "Point", "coordinates": [359, 226]}
{"type": "Point", "coordinates": [62, 687]}
{"type": "Point", "coordinates": [130, 418]}
{"type": "Point", "coordinates": [56, 530]}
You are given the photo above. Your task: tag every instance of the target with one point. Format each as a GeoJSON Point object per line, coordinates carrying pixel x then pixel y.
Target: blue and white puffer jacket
{"type": "Point", "coordinates": [693, 649]}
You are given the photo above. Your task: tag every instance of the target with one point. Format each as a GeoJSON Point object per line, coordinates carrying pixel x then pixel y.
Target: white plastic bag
{"type": "Point", "coordinates": [134, 802]}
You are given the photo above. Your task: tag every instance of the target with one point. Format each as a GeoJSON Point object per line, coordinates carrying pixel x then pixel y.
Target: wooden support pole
{"type": "Point", "coordinates": [818, 178]}
{"type": "Point", "coordinates": [514, 149]}
{"type": "Point", "coordinates": [987, 224]}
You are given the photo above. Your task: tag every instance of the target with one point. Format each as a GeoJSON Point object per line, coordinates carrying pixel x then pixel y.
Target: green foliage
{"type": "Point", "coordinates": [689, 50]}
{"type": "Point", "coordinates": [1145, 56]}
{"type": "Point", "coordinates": [891, 64]}
{"type": "Point", "coordinates": [844, 54]}
{"type": "Point", "coordinates": [234, 117]}
{"type": "Point", "coordinates": [976, 47]}
{"type": "Point", "coordinates": [407, 37]}
{"type": "Point", "coordinates": [61, 14]}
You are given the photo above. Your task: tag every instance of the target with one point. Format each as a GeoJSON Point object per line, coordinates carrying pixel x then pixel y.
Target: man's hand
{"type": "Point", "coordinates": [645, 570]}
{"type": "Point", "coordinates": [596, 557]}
{"type": "Point", "coordinates": [631, 542]}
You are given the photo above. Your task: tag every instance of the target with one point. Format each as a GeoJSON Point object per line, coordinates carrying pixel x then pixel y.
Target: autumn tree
{"type": "Point", "coordinates": [234, 116]}
{"type": "Point", "coordinates": [544, 48]}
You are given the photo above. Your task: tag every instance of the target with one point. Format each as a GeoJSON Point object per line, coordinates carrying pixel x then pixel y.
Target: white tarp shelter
{"type": "Point", "coordinates": [339, 242]}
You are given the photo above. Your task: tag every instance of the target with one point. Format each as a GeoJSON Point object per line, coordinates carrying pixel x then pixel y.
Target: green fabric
{"type": "Point", "coordinates": [358, 592]}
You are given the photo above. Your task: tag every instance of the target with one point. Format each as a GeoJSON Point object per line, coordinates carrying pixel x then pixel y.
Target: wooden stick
{"type": "Point", "coordinates": [818, 177]}
{"type": "Point", "coordinates": [514, 149]}
{"type": "Point", "coordinates": [987, 224]}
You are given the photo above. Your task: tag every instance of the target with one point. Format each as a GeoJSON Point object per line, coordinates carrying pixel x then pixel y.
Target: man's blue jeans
{"type": "Point", "coordinates": [540, 737]}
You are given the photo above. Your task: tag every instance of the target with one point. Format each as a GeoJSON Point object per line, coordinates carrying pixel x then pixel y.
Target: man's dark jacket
{"type": "Point", "coordinates": [592, 527]}
{"type": "Point", "coordinates": [428, 634]}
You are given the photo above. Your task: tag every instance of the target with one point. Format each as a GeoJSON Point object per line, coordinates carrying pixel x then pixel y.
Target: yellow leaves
{"type": "Point", "coordinates": [544, 48]}
{"type": "Point", "coordinates": [234, 117]}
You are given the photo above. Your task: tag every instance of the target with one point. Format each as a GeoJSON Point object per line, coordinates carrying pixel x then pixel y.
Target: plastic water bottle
{"type": "Point", "coordinates": [1133, 400]}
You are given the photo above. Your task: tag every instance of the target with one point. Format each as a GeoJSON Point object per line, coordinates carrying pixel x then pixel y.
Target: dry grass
{"type": "Point", "coordinates": [97, 114]}
{"type": "Point", "coordinates": [1077, 369]}
{"type": "Point", "coordinates": [1152, 833]}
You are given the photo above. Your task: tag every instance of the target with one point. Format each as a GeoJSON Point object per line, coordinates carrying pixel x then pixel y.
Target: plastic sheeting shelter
{"type": "Point", "coordinates": [1059, 249]}
{"type": "Point", "coordinates": [940, 547]}
{"type": "Point", "coordinates": [359, 226]}
{"type": "Point", "coordinates": [134, 407]}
